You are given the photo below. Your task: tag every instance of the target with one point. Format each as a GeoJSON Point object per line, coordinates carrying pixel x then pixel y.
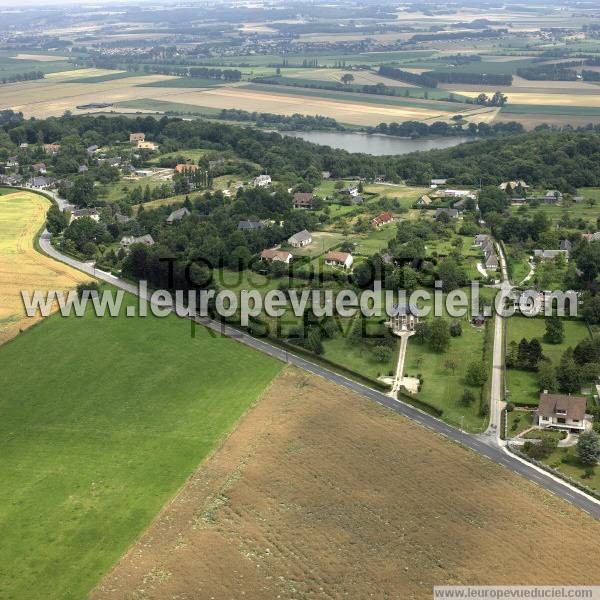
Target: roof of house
{"type": "Point", "coordinates": [404, 308]}
{"type": "Point", "coordinates": [178, 214]}
{"type": "Point", "coordinates": [273, 253]}
{"type": "Point", "coordinates": [425, 199]}
{"type": "Point", "coordinates": [119, 218]}
{"type": "Point", "coordinates": [384, 217]}
{"type": "Point", "coordinates": [84, 212]}
{"type": "Point", "coordinates": [334, 256]}
{"type": "Point", "coordinates": [301, 236]}
{"type": "Point", "coordinates": [303, 198]}
{"type": "Point", "coordinates": [183, 167]}
{"type": "Point", "coordinates": [566, 245]}
{"type": "Point", "coordinates": [572, 406]}
{"type": "Point", "coordinates": [250, 225]}
{"type": "Point", "coordinates": [451, 212]}
{"type": "Point", "coordinates": [548, 253]}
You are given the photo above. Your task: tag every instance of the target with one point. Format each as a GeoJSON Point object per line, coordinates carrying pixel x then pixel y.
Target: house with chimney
{"type": "Point", "coordinates": [560, 411]}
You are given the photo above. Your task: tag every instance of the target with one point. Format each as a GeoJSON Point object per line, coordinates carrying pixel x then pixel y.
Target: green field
{"type": "Point", "coordinates": [523, 385]}
{"type": "Point", "coordinates": [162, 106]}
{"type": "Point", "coordinates": [102, 78]}
{"type": "Point", "coordinates": [97, 441]}
{"type": "Point", "coordinates": [184, 82]}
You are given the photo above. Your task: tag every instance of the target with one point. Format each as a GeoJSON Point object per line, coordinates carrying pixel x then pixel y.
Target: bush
{"type": "Point", "coordinates": [90, 286]}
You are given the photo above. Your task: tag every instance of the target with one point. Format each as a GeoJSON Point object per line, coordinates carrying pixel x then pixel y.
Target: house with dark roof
{"type": "Point", "coordinates": [559, 411]}
{"type": "Point", "coordinates": [303, 200]}
{"type": "Point", "coordinates": [451, 212]}
{"type": "Point", "coordinates": [403, 318]}
{"type": "Point", "coordinates": [544, 255]}
{"type": "Point", "coordinates": [177, 215]}
{"type": "Point", "coordinates": [129, 240]}
{"type": "Point", "coordinates": [300, 239]}
{"type": "Point", "coordinates": [248, 225]}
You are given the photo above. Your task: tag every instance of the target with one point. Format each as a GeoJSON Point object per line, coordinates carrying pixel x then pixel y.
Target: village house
{"type": "Point", "coordinates": [552, 196]}
{"type": "Point", "coordinates": [510, 187]}
{"type": "Point", "coordinates": [40, 182]}
{"type": "Point", "coordinates": [303, 200]}
{"type": "Point", "coordinates": [250, 225]}
{"type": "Point", "coordinates": [91, 149]}
{"type": "Point", "coordinates": [403, 318]}
{"type": "Point", "coordinates": [145, 145]}
{"type": "Point", "coordinates": [352, 191]}
{"type": "Point", "coordinates": [12, 162]}
{"type": "Point", "coordinates": [490, 257]}
{"type": "Point", "coordinates": [382, 219]}
{"type": "Point", "coordinates": [591, 237]}
{"type": "Point", "coordinates": [458, 194]}
{"type": "Point", "coordinates": [261, 181]}
{"type": "Point", "coordinates": [23, 146]}
{"type": "Point", "coordinates": [134, 138]}
{"type": "Point", "coordinates": [39, 168]}
{"type": "Point", "coordinates": [177, 215]}
{"type": "Point", "coordinates": [423, 201]}
{"type": "Point", "coordinates": [129, 240]}
{"type": "Point", "coordinates": [451, 212]}
{"type": "Point", "coordinates": [437, 182]}
{"type": "Point", "coordinates": [545, 255]}
{"type": "Point", "coordinates": [566, 245]}
{"type": "Point", "coordinates": [558, 411]}
{"type": "Point", "coordinates": [78, 213]}
{"type": "Point", "coordinates": [274, 255]}
{"type": "Point", "coordinates": [52, 148]}
{"type": "Point", "coordinates": [339, 259]}
{"type": "Point", "coordinates": [300, 239]}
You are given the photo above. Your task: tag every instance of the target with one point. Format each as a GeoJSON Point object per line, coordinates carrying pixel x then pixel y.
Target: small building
{"type": "Point", "coordinates": [545, 255]}
{"type": "Point", "coordinates": [24, 146]}
{"type": "Point", "coordinates": [424, 201]}
{"type": "Point", "coordinates": [566, 245]}
{"type": "Point", "coordinates": [325, 174]}
{"type": "Point", "coordinates": [52, 148]}
{"type": "Point", "coordinates": [403, 318]}
{"type": "Point", "coordinates": [39, 182]}
{"type": "Point", "coordinates": [510, 187]}
{"type": "Point", "coordinates": [143, 172]}
{"type": "Point", "coordinates": [177, 215]}
{"type": "Point", "coordinates": [92, 149]}
{"type": "Point", "coordinates": [300, 239]}
{"type": "Point", "coordinates": [39, 168]}
{"type": "Point", "coordinates": [382, 219]}
{"type": "Point", "coordinates": [437, 182]}
{"type": "Point", "coordinates": [558, 411]}
{"type": "Point", "coordinates": [134, 138]}
{"type": "Point", "coordinates": [274, 255]}
{"type": "Point", "coordinates": [451, 212]}
{"type": "Point", "coordinates": [261, 181]}
{"type": "Point", "coordinates": [248, 225]}
{"type": "Point", "coordinates": [82, 169]}
{"type": "Point", "coordinates": [129, 240]}
{"type": "Point", "coordinates": [145, 145]}
{"type": "Point", "coordinates": [186, 168]}
{"type": "Point", "coordinates": [491, 260]}
{"type": "Point", "coordinates": [591, 237]}
{"type": "Point", "coordinates": [303, 200]}
{"type": "Point", "coordinates": [78, 213]}
{"type": "Point", "coordinates": [552, 196]}
{"type": "Point", "coordinates": [339, 259]}
{"type": "Point", "coordinates": [352, 191]}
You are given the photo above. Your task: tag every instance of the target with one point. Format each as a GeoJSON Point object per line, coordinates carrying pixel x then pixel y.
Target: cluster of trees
{"type": "Point", "coordinates": [295, 122]}
{"type": "Point", "coordinates": [551, 72]}
{"type": "Point", "coordinates": [207, 73]}
{"type": "Point", "coordinates": [497, 99]}
{"type": "Point", "coordinates": [459, 35]}
{"type": "Point", "coordinates": [418, 129]}
{"type": "Point", "coordinates": [29, 76]}
{"type": "Point", "coordinates": [470, 78]}
{"type": "Point", "coordinates": [424, 80]}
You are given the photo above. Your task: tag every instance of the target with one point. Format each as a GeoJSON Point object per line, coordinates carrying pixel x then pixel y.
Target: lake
{"type": "Point", "coordinates": [378, 145]}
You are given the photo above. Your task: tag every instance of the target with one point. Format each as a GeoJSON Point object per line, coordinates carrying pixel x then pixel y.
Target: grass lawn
{"type": "Point", "coordinates": [565, 459]}
{"type": "Point", "coordinates": [519, 421]}
{"type": "Point", "coordinates": [321, 242]}
{"type": "Point", "coordinates": [523, 384]}
{"type": "Point", "coordinates": [443, 386]}
{"type": "Point", "coordinates": [97, 441]}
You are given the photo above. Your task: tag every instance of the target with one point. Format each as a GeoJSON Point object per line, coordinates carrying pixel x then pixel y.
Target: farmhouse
{"type": "Point", "coordinates": [262, 181]}
{"type": "Point", "coordinates": [129, 240]}
{"type": "Point", "coordinates": [424, 200]}
{"type": "Point", "coordinates": [134, 138]}
{"type": "Point", "coordinates": [437, 182]}
{"type": "Point", "coordinates": [39, 168]}
{"type": "Point", "coordinates": [144, 145]}
{"type": "Point", "coordinates": [186, 168]}
{"type": "Point", "coordinates": [40, 182]}
{"type": "Point", "coordinates": [451, 212]}
{"type": "Point", "coordinates": [303, 200]}
{"type": "Point", "coordinates": [382, 219]}
{"type": "Point", "coordinates": [51, 148]}
{"type": "Point", "coordinates": [403, 318]}
{"type": "Point", "coordinates": [458, 194]}
{"type": "Point", "coordinates": [339, 259]}
{"type": "Point", "coordinates": [92, 213]}
{"type": "Point", "coordinates": [513, 186]}
{"type": "Point", "coordinates": [544, 255]}
{"type": "Point", "coordinates": [274, 255]}
{"type": "Point", "coordinates": [552, 196]}
{"type": "Point", "coordinates": [250, 225]}
{"type": "Point", "coordinates": [557, 411]}
{"type": "Point", "coordinates": [177, 215]}
{"type": "Point", "coordinates": [300, 239]}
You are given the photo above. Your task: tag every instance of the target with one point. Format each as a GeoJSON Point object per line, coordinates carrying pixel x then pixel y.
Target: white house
{"type": "Point", "coordinates": [557, 411]}
{"type": "Point", "coordinates": [92, 213]}
{"type": "Point", "coordinates": [177, 215]}
{"type": "Point", "coordinates": [262, 181]}
{"type": "Point", "coordinates": [129, 240]}
{"type": "Point", "coordinates": [339, 259]}
{"type": "Point", "coordinates": [274, 255]}
{"type": "Point", "coordinates": [300, 239]}
{"type": "Point", "coordinates": [403, 318]}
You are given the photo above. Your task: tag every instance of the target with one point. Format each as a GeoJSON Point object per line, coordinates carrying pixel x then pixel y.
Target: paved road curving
{"type": "Point", "coordinates": [484, 445]}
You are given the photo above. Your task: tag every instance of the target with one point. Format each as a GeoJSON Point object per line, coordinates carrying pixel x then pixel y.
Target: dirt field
{"type": "Point", "coordinates": [319, 493]}
{"type": "Point", "coordinates": [21, 267]}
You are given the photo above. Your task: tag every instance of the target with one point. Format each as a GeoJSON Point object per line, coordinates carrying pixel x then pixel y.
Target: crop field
{"type": "Point", "coordinates": [22, 214]}
{"type": "Point", "coordinates": [97, 441]}
{"type": "Point", "coordinates": [269, 514]}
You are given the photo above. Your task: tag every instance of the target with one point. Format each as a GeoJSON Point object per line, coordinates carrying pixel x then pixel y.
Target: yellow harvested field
{"type": "Point", "coordinates": [40, 57]}
{"type": "Point", "coordinates": [79, 73]}
{"type": "Point", "coordinates": [45, 98]}
{"type": "Point", "coordinates": [541, 98]}
{"type": "Point", "coordinates": [360, 77]}
{"type": "Point", "coordinates": [22, 214]}
{"type": "Point", "coordinates": [288, 104]}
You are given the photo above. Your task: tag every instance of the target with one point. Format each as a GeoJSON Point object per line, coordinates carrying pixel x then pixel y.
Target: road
{"type": "Point", "coordinates": [480, 444]}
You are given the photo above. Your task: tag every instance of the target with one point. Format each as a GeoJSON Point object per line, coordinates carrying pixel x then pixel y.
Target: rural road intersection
{"type": "Point", "coordinates": [485, 445]}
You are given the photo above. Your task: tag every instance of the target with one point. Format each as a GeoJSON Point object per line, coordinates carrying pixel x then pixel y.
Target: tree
{"type": "Point", "coordinates": [451, 364]}
{"type": "Point", "coordinates": [421, 332]}
{"type": "Point", "coordinates": [476, 373]}
{"type": "Point", "coordinates": [382, 354]}
{"type": "Point", "coordinates": [591, 309]}
{"type": "Point", "coordinates": [547, 376]}
{"type": "Point", "coordinates": [451, 274]}
{"type": "Point", "coordinates": [468, 397]}
{"type": "Point", "coordinates": [588, 448]}
{"type": "Point", "coordinates": [439, 335]}
{"type": "Point", "coordinates": [56, 220]}
{"type": "Point", "coordinates": [456, 328]}
{"type": "Point", "coordinates": [347, 78]}
{"type": "Point", "coordinates": [568, 374]}
{"type": "Point", "coordinates": [555, 330]}
{"type": "Point", "coordinates": [82, 193]}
